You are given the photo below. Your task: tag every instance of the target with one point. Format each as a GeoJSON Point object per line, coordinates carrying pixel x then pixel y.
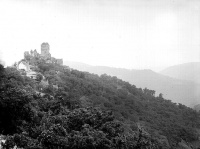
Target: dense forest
{"type": "Point", "coordinates": [66, 108]}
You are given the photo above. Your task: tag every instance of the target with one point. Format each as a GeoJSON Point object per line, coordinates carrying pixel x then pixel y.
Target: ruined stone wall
{"type": "Point", "coordinates": [59, 61]}
{"type": "Point", "coordinates": [45, 55]}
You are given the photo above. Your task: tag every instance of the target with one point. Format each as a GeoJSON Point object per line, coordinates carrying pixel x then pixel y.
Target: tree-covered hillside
{"type": "Point", "coordinates": [65, 108]}
{"type": "Point", "coordinates": [173, 88]}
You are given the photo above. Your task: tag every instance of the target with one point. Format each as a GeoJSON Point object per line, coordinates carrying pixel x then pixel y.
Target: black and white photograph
{"type": "Point", "coordinates": [99, 74]}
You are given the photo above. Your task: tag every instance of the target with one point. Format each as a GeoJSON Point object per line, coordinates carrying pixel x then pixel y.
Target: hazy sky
{"type": "Point", "coordinates": [134, 34]}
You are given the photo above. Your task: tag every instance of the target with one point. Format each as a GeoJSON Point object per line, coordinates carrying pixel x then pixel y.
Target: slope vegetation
{"type": "Point", "coordinates": [75, 114]}
{"type": "Point", "coordinates": [179, 91]}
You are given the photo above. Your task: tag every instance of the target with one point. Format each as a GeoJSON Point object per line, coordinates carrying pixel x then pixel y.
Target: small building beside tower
{"type": "Point", "coordinates": [29, 62]}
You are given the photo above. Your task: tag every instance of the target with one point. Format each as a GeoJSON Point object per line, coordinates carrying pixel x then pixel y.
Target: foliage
{"type": "Point", "coordinates": [39, 77]}
{"type": "Point", "coordinates": [14, 104]}
{"type": "Point", "coordinates": [61, 117]}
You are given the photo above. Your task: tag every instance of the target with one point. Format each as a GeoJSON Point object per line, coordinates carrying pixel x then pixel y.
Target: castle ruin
{"type": "Point", "coordinates": [45, 55]}
{"type": "Point", "coordinates": [28, 65]}
{"type": "Point", "coordinates": [45, 50]}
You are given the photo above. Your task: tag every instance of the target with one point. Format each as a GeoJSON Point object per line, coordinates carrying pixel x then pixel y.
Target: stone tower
{"type": "Point", "coordinates": [45, 50]}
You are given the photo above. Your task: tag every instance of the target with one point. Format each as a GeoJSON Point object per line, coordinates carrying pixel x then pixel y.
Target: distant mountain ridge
{"type": "Point", "coordinates": [187, 71]}
{"type": "Point", "coordinates": [179, 91]}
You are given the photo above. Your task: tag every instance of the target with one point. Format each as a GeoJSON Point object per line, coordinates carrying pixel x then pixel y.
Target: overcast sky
{"type": "Point", "coordinates": [133, 34]}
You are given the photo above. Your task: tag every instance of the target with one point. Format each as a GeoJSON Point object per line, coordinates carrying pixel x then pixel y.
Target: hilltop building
{"type": "Point", "coordinates": [31, 74]}
{"type": "Point", "coordinates": [45, 51]}
{"type": "Point", "coordinates": [29, 62]}
{"type": "Point", "coordinates": [45, 55]}
{"type": "Point", "coordinates": [22, 65]}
